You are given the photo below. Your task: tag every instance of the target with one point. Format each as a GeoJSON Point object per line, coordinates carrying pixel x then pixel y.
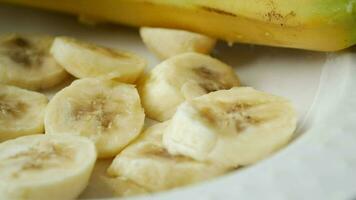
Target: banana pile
{"type": "Point", "coordinates": [206, 124]}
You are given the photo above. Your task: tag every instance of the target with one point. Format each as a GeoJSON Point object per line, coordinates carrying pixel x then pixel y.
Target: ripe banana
{"type": "Point", "coordinates": [21, 112]}
{"type": "Point", "coordinates": [233, 127]}
{"type": "Point", "coordinates": [87, 60]}
{"type": "Point", "coordinates": [182, 77]}
{"type": "Point", "coordinates": [41, 167]}
{"type": "Point", "coordinates": [166, 43]}
{"type": "Point", "coordinates": [106, 111]}
{"type": "Point", "coordinates": [324, 25]}
{"type": "Point", "coordinates": [147, 163]}
{"type": "Point", "coordinates": [25, 62]}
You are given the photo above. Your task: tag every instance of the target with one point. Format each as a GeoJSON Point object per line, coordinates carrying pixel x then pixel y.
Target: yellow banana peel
{"type": "Point", "coordinates": [322, 25]}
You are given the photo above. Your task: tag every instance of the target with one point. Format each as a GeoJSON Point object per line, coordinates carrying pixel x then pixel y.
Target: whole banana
{"type": "Point", "coordinates": [324, 25]}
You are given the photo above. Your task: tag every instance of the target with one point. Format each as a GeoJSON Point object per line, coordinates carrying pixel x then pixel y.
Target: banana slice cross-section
{"type": "Point", "coordinates": [21, 112]}
{"type": "Point", "coordinates": [180, 78]}
{"type": "Point", "coordinates": [84, 60]}
{"type": "Point", "coordinates": [41, 167]}
{"type": "Point", "coordinates": [166, 43]}
{"type": "Point", "coordinates": [25, 62]}
{"type": "Point", "coordinates": [147, 163]}
{"type": "Point", "coordinates": [232, 127]}
{"type": "Point", "coordinates": [106, 111]}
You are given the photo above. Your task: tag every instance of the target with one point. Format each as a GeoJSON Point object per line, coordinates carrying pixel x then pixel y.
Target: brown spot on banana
{"type": "Point", "coordinates": [18, 42]}
{"type": "Point", "coordinates": [22, 52]}
{"type": "Point", "coordinates": [218, 11]}
{"type": "Point", "coordinates": [275, 16]}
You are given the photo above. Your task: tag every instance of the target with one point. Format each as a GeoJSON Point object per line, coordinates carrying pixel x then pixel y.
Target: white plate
{"type": "Point", "coordinates": [319, 164]}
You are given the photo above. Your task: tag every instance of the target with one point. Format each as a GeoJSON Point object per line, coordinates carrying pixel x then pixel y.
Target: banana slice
{"type": "Point", "coordinates": [25, 62]}
{"type": "Point", "coordinates": [21, 112]}
{"type": "Point", "coordinates": [102, 186]}
{"type": "Point", "coordinates": [41, 167]}
{"type": "Point", "coordinates": [84, 60]}
{"type": "Point", "coordinates": [180, 78]}
{"type": "Point", "coordinates": [166, 43]}
{"type": "Point", "coordinates": [147, 163]}
{"type": "Point", "coordinates": [123, 187]}
{"type": "Point", "coordinates": [106, 111]}
{"type": "Point", "coordinates": [231, 127]}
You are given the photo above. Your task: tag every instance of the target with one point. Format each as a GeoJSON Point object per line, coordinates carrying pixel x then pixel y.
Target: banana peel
{"type": "Point", "coordinates": [321, 25]}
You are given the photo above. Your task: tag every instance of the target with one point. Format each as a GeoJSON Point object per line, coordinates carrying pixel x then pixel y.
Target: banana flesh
{"type": "Point", "coordinates": [123, 187]}
{"type": "Point", "coordinates": [181, 78]}
{"type": "Point", "coordinates": [84, 60]}
{"type": "Point", "coordinates": [39, 167]}
{"type": "Point", "coordinates": [21, 112]}
{"type": "Point", "coordinates": [25, 62]}
{"type": "Point", "coordinates": [166, 43]}
{"type": "Point", "coordinates": [106, 111]}
{"type": "Point", "coordinates": [147, 163]}
{"type": "Point", "coordinates": [233, 127]}
{"type": "Point", "coordinates": [102, 185]}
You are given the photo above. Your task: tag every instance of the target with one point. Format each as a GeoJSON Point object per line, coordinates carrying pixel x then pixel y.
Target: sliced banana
{"type": "Point", "coordinates": [232, 127]}
{"type": "Point", "coordinates": [25, 62]}
{"type": "Point", "coordinates": [84, 60]}
{"type": "Point", "coordinates": [102, 186]}
{"type": "Point", "coordinates": [180, 78]}
{"type": "Point", "coordinates": [123, 187]}
{"type": "Point", "coordinates": [21, 112]}
{"type": "Point", "coordinates": [106, 111]}
{"type": "Point", "coordinates": [166, 43]}
{"type": "Point", "coordinates": [41, 167]}
{"type": "Point", "coordinates": [147, 163]}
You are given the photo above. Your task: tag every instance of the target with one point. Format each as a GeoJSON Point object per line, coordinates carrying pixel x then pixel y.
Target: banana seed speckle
{"type": "Point", "coordinates": [96, 109]}
{"type": "Point", "coordinates": [11, 109]}
{"type": "Point", "coordinates": [19, 42]}
{"type": "Point", "coordinates": [211, 81]}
